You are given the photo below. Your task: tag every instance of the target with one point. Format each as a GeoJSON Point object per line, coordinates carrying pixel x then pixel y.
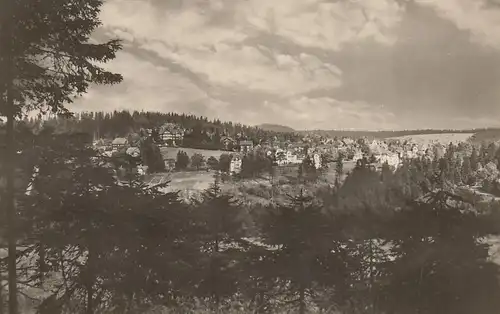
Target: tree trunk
{"type": "Point", "coordinates": [302, 301]}
{"type": "Point", "coordinates": [371, 271]}
{"type": "Point", "coordinates": [89, 281]}
{"type": "Point", "coordinates": [41, 262]}
{"type": "Point", "coordinates": [260, 302]}
{"type": "Point", "coordinates": [10, 201]}
{"type": "Point", "coordinates": [10, 154]}
{"type": "Point", "coordinates": [1, 294]}
{"type": "Point", "coordinates": [215, 271]}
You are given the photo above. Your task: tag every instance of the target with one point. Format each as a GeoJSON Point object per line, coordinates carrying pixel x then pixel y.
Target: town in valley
{"type": "Point", "coordinates": [249, 157]}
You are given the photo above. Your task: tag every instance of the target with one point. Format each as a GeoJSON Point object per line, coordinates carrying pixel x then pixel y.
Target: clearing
{"type": "Point", "coordinates": [443, 138]}
{"type": "Point", "coordinates": [171, 152]}
{"type": "Point", "coordinates": [188, 180]}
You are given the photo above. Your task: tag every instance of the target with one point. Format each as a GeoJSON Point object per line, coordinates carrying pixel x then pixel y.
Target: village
{"type": "Point", "coordinates": [323, 151]}
{"type": "Point", "coordinates": [249, 157]}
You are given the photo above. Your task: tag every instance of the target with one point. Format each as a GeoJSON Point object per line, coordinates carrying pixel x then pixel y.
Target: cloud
{"type": "Point", "coordinates": [327, 113]}
{"type": "Point", "coordinates": [323, 24]}
{"type": "Point", "coordinates": [188, 43]}
{"type": "Point", "coordinates": [197, 36]}
{"type": "Point", "coordinates": [149, 87]}
{"type": "Point", "coordinates": [371, 64]}
{"type": "Point", "coordinates": [249, 67]}
{"type": "Point", "coordinates": [480, 17]}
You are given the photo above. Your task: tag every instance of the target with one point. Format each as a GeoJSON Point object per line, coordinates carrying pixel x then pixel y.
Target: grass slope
{"type": "Point", "coordinates": [443, 138]}
{"type": "Point", "coordinates": [171, 152]}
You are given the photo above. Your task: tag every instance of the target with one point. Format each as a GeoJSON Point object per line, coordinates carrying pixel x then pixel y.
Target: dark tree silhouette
{"type": "Point", "coordinates": [182, 161]}
{"type": "Point", "coordinates": [441, 263]}
{"type": "Point", "coordinates": [151, 156]}
{"type": "Point", "coordinates": [197, 161]}
{"type": "Point", "coordinates": [306, 258]}
{"type": "Point", "coordinates": [219, 228]}
{"type": "Point", "coordinates": [46, 59]}
{"type": "Point", "coordinates": [213, 163]}
{"type": "Point", "coordinates": [224, 162]}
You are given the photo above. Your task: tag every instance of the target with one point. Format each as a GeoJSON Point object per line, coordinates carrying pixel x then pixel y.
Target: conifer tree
{"type": "Point", "coordinates": [441, 264]}
{"type": "Point", "coordinates": [339, 166]}
{"type": "Point", "coordinates": [474, 159]}
{"type": "Point", "coordinates": [219, 226]}
{"type": "Point", "coordinates": [46, 59]}
{"type": "Point", "coordinates": [466, 171]}
{"type": "Point", "coordinates": [182, 161]}
{"type": "Point", "coordinates": [309, 254]}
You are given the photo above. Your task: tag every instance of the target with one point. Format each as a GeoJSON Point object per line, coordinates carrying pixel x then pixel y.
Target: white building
{"type": "Point", "coordinates": [357, 155]}
{"type": "Point", "coordinates": [235, 165]}
{"type": "Point", "coordinates": [281, 157]}
{"type": "Point", "coordinates": [134, 152]}
{"type": "Point", "coordinates": [317, 161]}
{"type": "Point", "coordinates": [392, 160]}
{"type": "Point", "coordinates": [172, 132]}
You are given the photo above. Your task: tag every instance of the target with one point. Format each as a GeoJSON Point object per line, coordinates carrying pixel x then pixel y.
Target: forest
{"type": "Point", "coordinates": [381, 242]}
{"type": "Point", "coordinates": [200, 132]}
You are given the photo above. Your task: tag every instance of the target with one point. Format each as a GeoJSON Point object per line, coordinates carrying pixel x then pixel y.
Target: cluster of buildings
{"type": "Point", "coordinates": [392, 152]}
{"type": "Point", "coordinates": [282, 155]}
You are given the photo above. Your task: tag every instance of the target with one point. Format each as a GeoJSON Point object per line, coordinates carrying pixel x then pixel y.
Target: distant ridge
{"type": "Point", "coordinates": [275, 128]}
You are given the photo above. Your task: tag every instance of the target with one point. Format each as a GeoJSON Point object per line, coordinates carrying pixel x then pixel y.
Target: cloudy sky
{"type": "Point", "coordinates": [308, 64]}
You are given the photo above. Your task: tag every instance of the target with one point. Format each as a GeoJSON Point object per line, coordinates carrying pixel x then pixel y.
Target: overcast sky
{"type": "Point", "coordinates": [308, 64]}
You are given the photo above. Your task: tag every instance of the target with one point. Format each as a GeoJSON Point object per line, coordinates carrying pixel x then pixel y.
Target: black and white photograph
{"type": "Point", "coordinates": [249, 156]}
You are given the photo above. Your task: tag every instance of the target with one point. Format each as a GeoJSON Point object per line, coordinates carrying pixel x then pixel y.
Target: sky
{"type": "Point", "coordinates": [307, 64]}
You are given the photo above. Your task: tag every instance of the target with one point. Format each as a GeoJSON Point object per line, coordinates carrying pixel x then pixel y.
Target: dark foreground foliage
{"type": "Point", "coordinates": [376, 244]}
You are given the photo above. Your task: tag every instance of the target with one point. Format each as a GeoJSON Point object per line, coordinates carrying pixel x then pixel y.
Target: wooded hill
{"type": "Point", "coordinates": [203, 133]}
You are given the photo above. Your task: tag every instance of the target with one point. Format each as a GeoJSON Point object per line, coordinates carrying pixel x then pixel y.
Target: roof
{"type": "Point", "coordinates": [119, 141]}
{"type": "Point", "coordinates": [226, 138]}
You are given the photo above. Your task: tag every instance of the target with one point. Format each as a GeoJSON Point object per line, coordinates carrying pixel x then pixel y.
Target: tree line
{"type": "Point", "coordinates": [201, 132]}
{"type": "Point", "coordinates": [478, 135]}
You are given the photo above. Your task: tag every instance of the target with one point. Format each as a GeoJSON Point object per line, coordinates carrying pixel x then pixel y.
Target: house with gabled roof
{"type": "Point", "coordinates": [119, 142]}
{"type": "Point", "coordinates": [245, 146]}
{"type": "Point", "coordinates": [228, 142]}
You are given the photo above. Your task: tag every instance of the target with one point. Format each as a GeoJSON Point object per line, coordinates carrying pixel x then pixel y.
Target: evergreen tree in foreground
{"type": "Point", "coordinates": [46, 59]}
{"type": "Point", "coordinates": [440, 260]}
{"type": "Point", "coordinates": [309, 254]}
{"type": "Point", "coordinates": [219, 229]}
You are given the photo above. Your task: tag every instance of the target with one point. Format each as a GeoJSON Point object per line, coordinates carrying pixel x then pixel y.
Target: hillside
{"type": "Point", "coordinates": [443, 138]}
{"type": "Point", "coordinates": [275, 128]}
{"type": "Point", "coordinates": [486, 134]}
{"type": "Point", "coordinates": [200, 132]}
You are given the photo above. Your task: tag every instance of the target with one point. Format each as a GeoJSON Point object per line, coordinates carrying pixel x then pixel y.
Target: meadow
{"type": "Point", "coordinates": [171, 152]}
{"type": "Point", "coordinates": [443, 138]}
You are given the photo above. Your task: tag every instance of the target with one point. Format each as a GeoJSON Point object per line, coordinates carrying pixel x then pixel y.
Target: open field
{"type": "Point", "coordinates": [171, 152]}
{"type": "Point", "coordinates": [191, 183]}
{"type": "Point", "coordinates": [180, 181]}
{"type": "Point", "coordinates": [444, 138]}
{"type": "Point", "coordinates": [201, 180]}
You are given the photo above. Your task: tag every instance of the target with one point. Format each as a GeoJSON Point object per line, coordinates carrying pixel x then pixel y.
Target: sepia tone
{"type": "Point", "coordinates": [249, 156]}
